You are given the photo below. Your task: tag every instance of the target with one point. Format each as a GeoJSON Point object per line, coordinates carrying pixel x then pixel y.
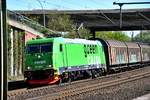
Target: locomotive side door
{"type": "Point", "coordinates": [63, 51]}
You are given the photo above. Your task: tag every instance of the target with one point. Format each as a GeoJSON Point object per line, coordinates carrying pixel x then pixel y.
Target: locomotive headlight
{"type": "Point", "coordinates": [28, 68]}
{"type": "Point", "coordinates": [49, 65]}
{"type": "Point", "coordinates": [39, 56]}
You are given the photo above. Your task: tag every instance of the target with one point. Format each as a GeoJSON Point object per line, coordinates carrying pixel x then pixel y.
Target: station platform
{"type": "Point", "coordinates": [144, 97]}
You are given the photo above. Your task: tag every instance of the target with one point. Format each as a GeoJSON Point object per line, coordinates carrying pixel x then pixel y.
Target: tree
{"type": "Point", "coordinates": [121, 36]}
{"type": "Point", "coordinates": [104, 34]}
{"type": "Point", "coordinates": [81, 33]}
{"type": "Point", "coordinates": [63, 23]}
{"type": "Point", "coordinates": [33, 17]}
{"type": "Point", "coordinates": [142, 37]}
{"type": "Point", "coordinates": [116, 35]}
{"type": "Point", "coordinates": [60, 22]}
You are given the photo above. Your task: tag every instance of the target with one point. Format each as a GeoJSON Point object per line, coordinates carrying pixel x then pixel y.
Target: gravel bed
{"type": "Point", "coordinates": [54, 89]}
{"type": "Point", "coordinates": [126, 91]}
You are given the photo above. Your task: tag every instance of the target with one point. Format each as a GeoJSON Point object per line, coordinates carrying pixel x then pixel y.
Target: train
{"type": "Point", "coordinates": [57, 60]}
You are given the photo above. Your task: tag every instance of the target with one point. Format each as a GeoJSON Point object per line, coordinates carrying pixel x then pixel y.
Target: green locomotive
{"type": "Point", "coordinates": [50, 60]}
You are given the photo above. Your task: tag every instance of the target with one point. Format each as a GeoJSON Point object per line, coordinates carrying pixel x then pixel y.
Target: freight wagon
{"type": "Point", "coordinates": [145, 54]}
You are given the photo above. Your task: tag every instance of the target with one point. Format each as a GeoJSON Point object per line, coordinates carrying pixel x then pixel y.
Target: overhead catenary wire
{"type": "Point", "coordinates": [73, 3]}
{"type": "Point", "coordinates": [68, 2]}
{"type": "Point", "coordinates": [56, 5]}
{"type": "Point", "coordinates": [44, 2]}
{"type": "Point", "coordinates": [98, 3]}
{"type": "Point", "coordinates": [30, 3]}
{"type": "Point", "coordinates": [21, 5]}
{"type": "Point", "coordinates": [77, 4]}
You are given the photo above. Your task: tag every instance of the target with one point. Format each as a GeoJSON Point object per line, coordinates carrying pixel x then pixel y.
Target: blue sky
{"type": "Point", "coordinates": [71, 4]}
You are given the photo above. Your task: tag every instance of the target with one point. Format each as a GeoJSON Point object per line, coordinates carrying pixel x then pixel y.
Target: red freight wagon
{"type": "Point", "coordinates": [117, 53]}
{"type": "Point", "coordinates": [134, 54]}
{"type": "Point", "coordinates": [145, 53]}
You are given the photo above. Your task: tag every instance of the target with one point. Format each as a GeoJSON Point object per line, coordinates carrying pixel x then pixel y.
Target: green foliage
{"type": "Point", "coordinates": [121, 36]}
{"type": "Point", "coordinates": [63, 23]}
{"type": "Point", "coordinates": [60, 22]}
{"type": "Point", "coordinates": [84, 33]}
{"type": "Point", "coordinates": [33, 17]}
{"type": "Point", "coordinates": [142, 37]}
{"type": "Point", "coordinates": [44, 31]}
{"type": "Point", "coordinates": [9, 39]}
{"type": "Point", "coordinates": [9, 48]}
{"type": "Point", "coordinates": [18, 50]}
{"type": "Point", "coordinates": [109, 35]}
{"type": "Point", "coordinates": [104, 34]}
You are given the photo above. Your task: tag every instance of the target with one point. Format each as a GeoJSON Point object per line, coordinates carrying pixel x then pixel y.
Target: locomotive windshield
{"type": "Point", "coordinates": [39, 48]}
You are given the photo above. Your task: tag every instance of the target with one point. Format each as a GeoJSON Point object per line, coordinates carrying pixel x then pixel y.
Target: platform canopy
{"type": "Point", "coordinates": [104, 20]}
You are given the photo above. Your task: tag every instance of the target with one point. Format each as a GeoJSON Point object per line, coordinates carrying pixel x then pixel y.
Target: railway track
{"type": "Point", "coordinates": [60, 92]}
{"type": "Point", "coordinates": [82, 90]}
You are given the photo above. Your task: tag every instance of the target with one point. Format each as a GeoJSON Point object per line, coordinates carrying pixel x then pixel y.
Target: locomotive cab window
{"type": "Point", "coordinates": [39, 48]}
{"type": "Point", "coordinates": [33, 49]}
{"type": "Point", "coordinates": [46, 48]}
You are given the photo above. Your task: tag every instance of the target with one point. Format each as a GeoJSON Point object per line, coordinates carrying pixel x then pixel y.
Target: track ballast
{"type": "Point", "coordinates": [80, 87]}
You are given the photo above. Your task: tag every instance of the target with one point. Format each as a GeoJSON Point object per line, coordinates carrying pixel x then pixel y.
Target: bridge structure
{"type": "Point", "coordinates": [20, 30]}
{"type": "Point", "coordinates": [102, 20]}
{"type": "Point", "coordinates": [19, 22]}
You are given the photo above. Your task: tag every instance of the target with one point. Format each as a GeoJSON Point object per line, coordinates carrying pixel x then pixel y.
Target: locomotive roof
{"type": "Point", "coordinates": [144, 45]}
{"type": "Point", "coordinates": [115, 43]}
{"type": "Point", "coordinates": [76, 40]}
{"type": "Point", "coordinates": [132, 45]}
{"type": "Point", "coordinates": [64, 40]}
{"type": "Point", "coordinates": [42, 40]}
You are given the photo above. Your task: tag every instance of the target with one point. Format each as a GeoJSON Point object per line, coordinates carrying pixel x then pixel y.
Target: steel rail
{"type": "Point", "coordinates": [55, 90]}
{"type": "Point", "coordinates": [82, 90]}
